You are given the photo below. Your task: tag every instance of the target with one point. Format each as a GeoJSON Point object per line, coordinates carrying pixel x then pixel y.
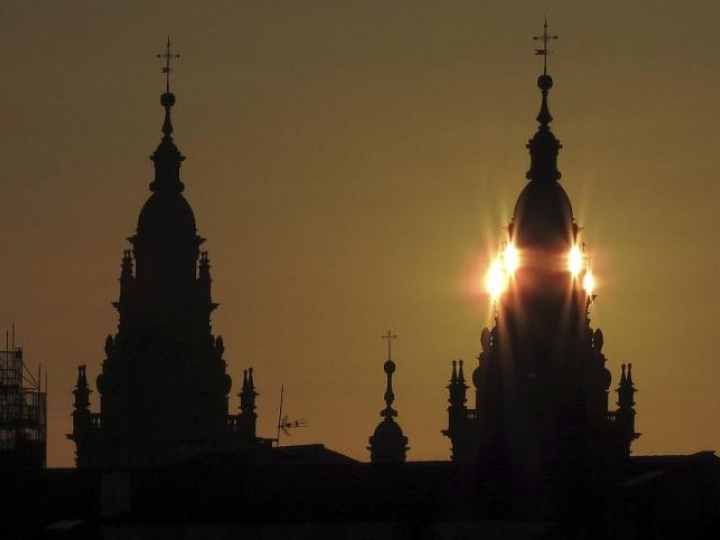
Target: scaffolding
{"type": "Point", "coordinates": [23, 411]}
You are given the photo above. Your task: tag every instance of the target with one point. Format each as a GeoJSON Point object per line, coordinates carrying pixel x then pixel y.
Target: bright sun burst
{"type": "Point", "coordinates": [575, 261]}
{"type": "Point", "coordinates": [503, 267]}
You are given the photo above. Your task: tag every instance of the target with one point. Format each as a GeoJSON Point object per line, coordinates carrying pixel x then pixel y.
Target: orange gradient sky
{"type": "Point", "coordinates": [352, 165]}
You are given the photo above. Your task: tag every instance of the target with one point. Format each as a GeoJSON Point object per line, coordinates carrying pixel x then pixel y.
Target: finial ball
{"type": "Point", "coordinates": [389, 366]}
{"type": "Point", "coordinates": [167, 99]}
{"type": "Point", "coordinates": [545, 82]}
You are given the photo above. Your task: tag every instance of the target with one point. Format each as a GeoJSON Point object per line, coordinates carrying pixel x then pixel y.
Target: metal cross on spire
{"type": "Point", "coordinates": [544, 51]}
{"type": "Point", "coordinates": [168, 57]}
{"type": "Point", "coordinates": [389, 336]}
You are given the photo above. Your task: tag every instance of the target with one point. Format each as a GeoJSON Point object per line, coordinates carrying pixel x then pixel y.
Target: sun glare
{"type": "Point", "coordinates": [511, 259]}
{"type": "Point", "coordinates": [495, 281]}
{"type": "Point", "coordinates": [589, 282]}
{"type": "Point", "coordinates": [575, 261]}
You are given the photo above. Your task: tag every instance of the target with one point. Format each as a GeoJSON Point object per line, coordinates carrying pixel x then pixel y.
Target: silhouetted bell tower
{"type": "Point", "coordinates": [164, 387]}
{"type": "Point", "coordinates": [541, 383]}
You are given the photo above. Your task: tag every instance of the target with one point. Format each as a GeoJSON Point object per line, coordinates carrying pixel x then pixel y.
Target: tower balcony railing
{"type": "Point", "coordinates": [471, 414]}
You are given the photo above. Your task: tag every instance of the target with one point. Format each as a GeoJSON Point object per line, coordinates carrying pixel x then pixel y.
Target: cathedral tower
{"type": "Point", "coordinates": [163, 387]}
{"type": "Point", "coordinates": [541, 383]}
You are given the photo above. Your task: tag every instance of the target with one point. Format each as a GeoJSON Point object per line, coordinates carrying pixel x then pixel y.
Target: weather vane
{"type": "Point", "coordinates": [544, 51]}
{"type": "Point", "coordinates": [389, 336]}
{"type": "Point", "coordinates": [167, 56]}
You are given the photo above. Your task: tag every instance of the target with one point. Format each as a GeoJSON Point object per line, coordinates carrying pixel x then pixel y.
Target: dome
{"type": "Point", "coordinates": [390, 432]}
{"type": "Point", "coordinates": [543, 215]}
{"type": "Point", "coordinates": [166, 214]}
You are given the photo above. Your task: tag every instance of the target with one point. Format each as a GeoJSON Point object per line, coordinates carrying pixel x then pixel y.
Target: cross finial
{"type": "Point", "coordinates": [168, 57]}
{"type": "Point", "coordinates": [389, 336]}
{"type": "Point", "coordinates": [544, 51]}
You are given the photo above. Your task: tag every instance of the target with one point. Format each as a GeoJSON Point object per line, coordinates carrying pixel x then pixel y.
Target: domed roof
{"type": "Point", "coordinates": [543, 215]}
{"type": "Point", "coordinates": [389, 432]}
{"type": "Point", "coordinates": [166, 214]}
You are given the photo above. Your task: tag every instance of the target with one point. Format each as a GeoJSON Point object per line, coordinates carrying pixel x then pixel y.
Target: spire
{"type": "Point", "coordinates": [247, 419]}
{"type": "Point", "coordinates": [204, 279]}
{"type": "Point", "coordinates": [461, 375]}
{"type": "Point", "coordinates": [82, 421]}
{"type": "Point", "coordinates": [544, 146]}
{"type": "Point", "coordinates": [248, 394]}
{"type": "Point", "coordinates": [388, 444]}
{"type": "Point", "coordinates": [167, 99]}
{"type": "Point", "coordinates": [81, 391]}
{"type": "Point", "coordinates": [625, 412]}
{"type": "Point", "coordinates": [126, 268]}
{"type": "Point", "coordinates": [389, 368]}
{"type": "Point", "coordinates": [167, 157]}
{"type": "Point", "coordinates": [626, 390]}
{"type": "Point", "coordinates": [457, 386]}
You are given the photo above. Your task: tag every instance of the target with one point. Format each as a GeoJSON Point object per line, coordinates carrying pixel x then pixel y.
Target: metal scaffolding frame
{"type": "Point", "coordinates": [23, 411]}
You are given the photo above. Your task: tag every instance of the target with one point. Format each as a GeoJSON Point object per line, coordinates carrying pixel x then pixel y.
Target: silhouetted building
{"type": "Point", "coordinates": [541, 454]}
{"type": "Point", "coordinates": [541, 386]}
{"type": "Point", "coordinates": [23, 413]}
{"type": "Point", "coordinates": [163, 387]}
{"type": "Point", "coordinates": [388, 444]}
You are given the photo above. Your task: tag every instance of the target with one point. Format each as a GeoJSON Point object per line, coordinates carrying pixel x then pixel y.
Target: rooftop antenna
{"type": "Point", "coordinates": [282, 393]}
{"type": "Point", "coordinates": [284, 423]}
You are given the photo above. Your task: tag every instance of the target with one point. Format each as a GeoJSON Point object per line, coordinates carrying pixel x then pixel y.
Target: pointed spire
{"type": "Point", "coordinates": [388, 444]}
{"type": "Point", "coordinates": [625, 413]}
{"type": "Point", "coordinates": [126, 268]}
{"type": "Point", "coordinates": [247, 419]}
{"type": "Point", "coordinates": [167, 157]}
{"type": "Point", "coordinates": [247, 393]}
{"type": "Point", "coordinates": [544, 146]}
{"type": "Point", "coordinates": [626, 389]}
{"type": "Point", "coordinates": [457, 387]}
{"type": "Point", "coordinates": [81, 391]}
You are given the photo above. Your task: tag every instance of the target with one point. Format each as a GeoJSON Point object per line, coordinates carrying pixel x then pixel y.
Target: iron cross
{"type": "Point", "coordinates": [544, 52]}
{"type": "Point", "coordinates": [167, 56]}
{"type": "Point", "coordinates": [389, 336]}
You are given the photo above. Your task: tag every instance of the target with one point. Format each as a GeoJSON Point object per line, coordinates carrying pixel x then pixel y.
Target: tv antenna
{"type": "Point", "coordinates": [284, 423]}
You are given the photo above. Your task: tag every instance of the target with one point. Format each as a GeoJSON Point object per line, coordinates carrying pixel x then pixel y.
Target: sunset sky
{"type": "Point", "coordinates": [352, 165]}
